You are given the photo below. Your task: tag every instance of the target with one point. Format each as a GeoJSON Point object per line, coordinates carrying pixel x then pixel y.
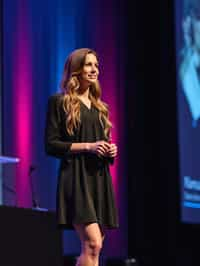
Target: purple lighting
{"type": "Point", "coordinates": [22, 102]}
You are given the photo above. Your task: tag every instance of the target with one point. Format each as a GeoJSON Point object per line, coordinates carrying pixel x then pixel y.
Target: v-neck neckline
{"type": "Point", "coordinates": [89, 108]}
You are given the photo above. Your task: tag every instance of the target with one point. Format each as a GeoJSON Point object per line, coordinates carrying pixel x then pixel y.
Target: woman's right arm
{"type": "Point", "coordinates": [54, 146]}
{"type": "Point", "coordinates": [99, 147]}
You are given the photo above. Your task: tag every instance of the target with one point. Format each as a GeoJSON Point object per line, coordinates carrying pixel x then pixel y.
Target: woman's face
{"type": "Point", "coordinates": [90, 70]}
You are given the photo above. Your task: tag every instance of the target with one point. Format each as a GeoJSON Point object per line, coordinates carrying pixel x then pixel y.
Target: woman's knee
{"type": "Point", "coordinates": [91, 237]}
{"type": "Point", "coordinates": [93, 246]}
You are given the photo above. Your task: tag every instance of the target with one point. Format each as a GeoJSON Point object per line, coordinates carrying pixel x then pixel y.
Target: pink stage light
{"type": "Point", "coordinates": [22, 102]}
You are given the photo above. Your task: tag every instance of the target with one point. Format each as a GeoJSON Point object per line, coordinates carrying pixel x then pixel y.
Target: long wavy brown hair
{"type": "Point", "coordinates": [70, 85]}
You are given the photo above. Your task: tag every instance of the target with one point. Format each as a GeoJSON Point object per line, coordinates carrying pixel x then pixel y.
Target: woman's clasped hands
{"type": "Point", "coordinates": [104, 148]}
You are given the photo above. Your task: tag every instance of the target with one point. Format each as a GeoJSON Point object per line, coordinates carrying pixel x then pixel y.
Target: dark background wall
{"type": "Point", "coordinates": [146, 210]}
{"type": "Point", "coordinates": [152, 135]}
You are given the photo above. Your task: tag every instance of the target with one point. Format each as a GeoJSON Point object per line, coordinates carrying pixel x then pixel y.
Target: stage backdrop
{"type": "Point", "coordinates": [38, 36]}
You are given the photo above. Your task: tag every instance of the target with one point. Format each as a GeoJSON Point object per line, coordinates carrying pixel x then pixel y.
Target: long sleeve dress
{"type": "Point", "coordinates": [84, 190]}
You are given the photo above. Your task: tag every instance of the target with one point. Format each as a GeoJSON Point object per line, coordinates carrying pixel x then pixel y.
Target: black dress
{"type": "Point", "coordinates": [85, 190]}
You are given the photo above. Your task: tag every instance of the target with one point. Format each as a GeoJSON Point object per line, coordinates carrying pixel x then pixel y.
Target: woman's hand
{"type": "Point", "coordinates": [112, 151]}
{"type": "Point", "coordinates": [100, 148]}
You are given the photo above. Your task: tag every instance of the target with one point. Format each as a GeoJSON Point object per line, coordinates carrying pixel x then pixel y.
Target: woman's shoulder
{"type": "Point", "coordinates": [55, 99]}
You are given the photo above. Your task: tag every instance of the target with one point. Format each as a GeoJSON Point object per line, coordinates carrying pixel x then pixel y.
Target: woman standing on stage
{"type": "Point", "coordinates": [78, 132]}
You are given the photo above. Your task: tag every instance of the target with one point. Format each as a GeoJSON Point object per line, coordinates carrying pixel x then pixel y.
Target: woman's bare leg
{"type": "Point", "coordinates": [102, 238]}
{"type": "Point", "coordinates": [91, 244]}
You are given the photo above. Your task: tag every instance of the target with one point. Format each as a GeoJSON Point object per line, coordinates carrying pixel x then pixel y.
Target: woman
{"type": "Point", "coordinates": [78, 132]}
